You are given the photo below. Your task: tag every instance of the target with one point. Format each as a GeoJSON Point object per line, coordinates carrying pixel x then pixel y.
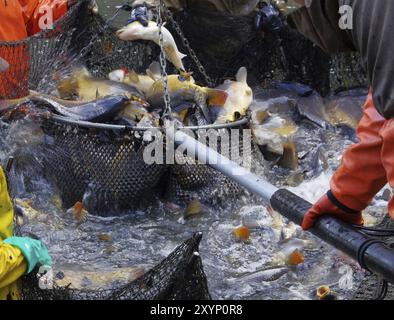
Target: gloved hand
{"type": "Point", "coordinates": [329, 205]}
{"type": "Point", "coordinates": [269, 19]}
{"type": "Point", "coordinates": [140, 14]}
{"type": "Point", "coordinates": [34, 251]}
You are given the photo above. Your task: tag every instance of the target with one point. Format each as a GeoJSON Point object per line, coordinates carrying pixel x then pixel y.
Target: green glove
{"type": "Point", "coordinates": [35, 252]}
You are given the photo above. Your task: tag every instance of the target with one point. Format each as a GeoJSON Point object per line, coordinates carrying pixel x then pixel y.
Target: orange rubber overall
{"type": "Point", "coordinates": [364, 171]}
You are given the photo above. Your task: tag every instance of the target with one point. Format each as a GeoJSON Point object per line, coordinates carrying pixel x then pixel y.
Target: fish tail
{"type": "Point", "coordinates": [216, 97]}
{"type": "Point", "coordinates": [181, 55]}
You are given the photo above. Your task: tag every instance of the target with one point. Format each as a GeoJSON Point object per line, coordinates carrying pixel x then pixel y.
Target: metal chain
{"type": "Point", "coordinates": [163, 63]}
{"type": "Point", "coordinates": [187, 45]}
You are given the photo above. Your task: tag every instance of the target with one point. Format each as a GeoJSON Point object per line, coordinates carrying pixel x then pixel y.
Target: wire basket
{"type": "Point", "coordinates": [103, 166]}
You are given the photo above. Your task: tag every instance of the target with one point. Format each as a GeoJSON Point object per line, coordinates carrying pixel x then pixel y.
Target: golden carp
{"type": "Point", "coordinates": [183, 91]}
{"type": "Point", "coordinates": [240, 97]}
{"type": "Point", "coordinates": [142, 82]}
{"type": "Point", "coordinates": [81, 85]}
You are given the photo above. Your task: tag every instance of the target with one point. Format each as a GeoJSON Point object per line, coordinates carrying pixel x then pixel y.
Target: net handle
{"type": "Point", "coordinates": [93, 125]}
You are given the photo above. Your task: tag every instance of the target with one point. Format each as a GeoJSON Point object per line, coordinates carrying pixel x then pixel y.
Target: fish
{"type": "Point", "coordinates": [325, 293]}
{"type": "Point", "coordinates": [118, 75]}
{"type": "Point", "coordinates": [288, 231]}
{"type": "Point", "coordinates": [96, 111]}
{"type": "Point", "coordinates": [289, 158]}
{"type": "Point", "coordinates": [270, 143]}
{"type": "Point", "coordinates": [259, 114]}
{"type": "Point", "coordinates": [105, 237]}
{"type": "Point", "coordinates": [241, 233]}
{"type": "Point", "coordinates": [96, 279]}
{"type": "Point", "coordinates": [183, 90]}
{"type": "Point", "coordinates": [194, 208]}
{"type": "Point", "coordinates": [301, 90]}
{"type": "Point", "coordinates": [312, 107]}
{"type": "Point", "coordinates": [133, 111]}
{"type": "Point", "coordinates": [81, 85]}
{"type": "Point", "coordinates": [273, 138]}
{"type": "Point", "coordinates": [79, 212]}
{"type": "Point", "coordinates": [136, 31]}
{"type": "Point", "coordinates": [239, 98]}
{"type": "Point", "coordinates": [295, 258]}
{"type": "Point", "coordinates": [142, 82]}
{"type": "Point", "coordinates": [264, 275]}
{"type": "Point", "coordinates": [25, 212]}
{"type": "Point", "coordinates": [4, 65]}
{"type": "Point", "coordinates": [345, 110]}
{"type": "Point", "coordinates": [93, 7]}
{"type": "Point", "coordinates": [290, 253]}
{"type": "Point", "coordinates": [309, 103]}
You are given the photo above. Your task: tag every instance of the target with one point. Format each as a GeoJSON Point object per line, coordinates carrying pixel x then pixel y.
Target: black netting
{"type": "Point", "coordinates": [224, 43]}
{"type": "Point", "coordinates": [189, 181]}
{"type": "Point", "coordinates": [178, 277]}
{"type": "Point", "coordinates": [104, 168]}
{"type": "Point", "coordinates": [108, 164]}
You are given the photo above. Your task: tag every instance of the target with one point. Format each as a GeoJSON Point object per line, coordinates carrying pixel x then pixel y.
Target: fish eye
{"type": "Point", "coordinates": [181, 78]}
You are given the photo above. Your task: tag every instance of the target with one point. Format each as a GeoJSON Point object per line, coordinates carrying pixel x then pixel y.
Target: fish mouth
{"type": "Point", "coordinates": [126, 35]}
{"type": "Point", "coordinates": [120, 32]}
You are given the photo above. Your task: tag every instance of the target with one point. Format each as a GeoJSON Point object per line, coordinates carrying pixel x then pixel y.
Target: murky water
{"type": "Point", "coordinates": [145, 238]}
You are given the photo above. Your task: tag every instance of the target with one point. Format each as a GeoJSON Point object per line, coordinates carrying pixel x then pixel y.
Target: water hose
{"type": "Point", "coordinates": [372, 254]}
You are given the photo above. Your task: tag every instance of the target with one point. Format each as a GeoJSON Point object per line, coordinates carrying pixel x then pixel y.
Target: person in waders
{"type": "Point", "coordinates": [19, 19]}
{"type": "Point", "coordinates": [18, 255]}
{"type": "Point", "coordinates": [367, 166]}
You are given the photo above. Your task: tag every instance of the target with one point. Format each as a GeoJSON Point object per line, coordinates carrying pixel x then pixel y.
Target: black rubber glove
{"type": "Point", "coordinates": [269, 19]}
{"type": "Point", "coordinates": [139, 14]}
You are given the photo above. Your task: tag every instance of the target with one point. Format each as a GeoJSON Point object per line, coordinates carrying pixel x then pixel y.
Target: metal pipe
{"type": "Point", "coordinates": [229, 168]}
{"type": "Point", "coordinates": [377, 257]}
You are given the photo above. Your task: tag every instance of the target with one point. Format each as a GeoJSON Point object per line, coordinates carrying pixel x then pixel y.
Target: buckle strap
{"type": "Point", "coordinates": [339, 204]}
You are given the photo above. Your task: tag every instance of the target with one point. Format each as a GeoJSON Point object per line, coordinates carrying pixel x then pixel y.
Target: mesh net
{"type": "Point", "coordinates": [198, 181]}
{"type": "Point", "coordinates": [266, 58]}
{"type": "Point", "coordinates": [178, 277]}
{"type": "Point", "coordinates": [104, 168]}
{"type": "Point", "coordinates": [109, 164]}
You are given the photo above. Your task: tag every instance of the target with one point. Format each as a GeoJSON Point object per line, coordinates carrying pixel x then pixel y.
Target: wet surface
{"type": "Point", "coordinates": [146, 237]}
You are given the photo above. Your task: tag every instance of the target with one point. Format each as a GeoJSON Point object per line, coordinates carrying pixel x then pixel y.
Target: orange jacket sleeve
{"type": "Point", "coordinates": [39, 13]}
{"type": "Point", "coordinates": [12, 26]}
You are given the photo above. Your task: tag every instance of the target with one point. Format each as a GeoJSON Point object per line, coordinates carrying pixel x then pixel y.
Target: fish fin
{"type": "Point", "coordinates": [183, 113]}
{"type": "Point", "coordinates": [242, 75]}
{"type": "Point", "coordinates": [194, 208]}
{"type": "Point", "coordinates": [154, 70]}
{"type": "Point", "coordinates": [68, 87]}
{"type": "Point", "coordinates": [216, 97]}
{"type": "Point", "coordinates": [133, 77]}
{"type": "Point", "coordinates": [182, 55]}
